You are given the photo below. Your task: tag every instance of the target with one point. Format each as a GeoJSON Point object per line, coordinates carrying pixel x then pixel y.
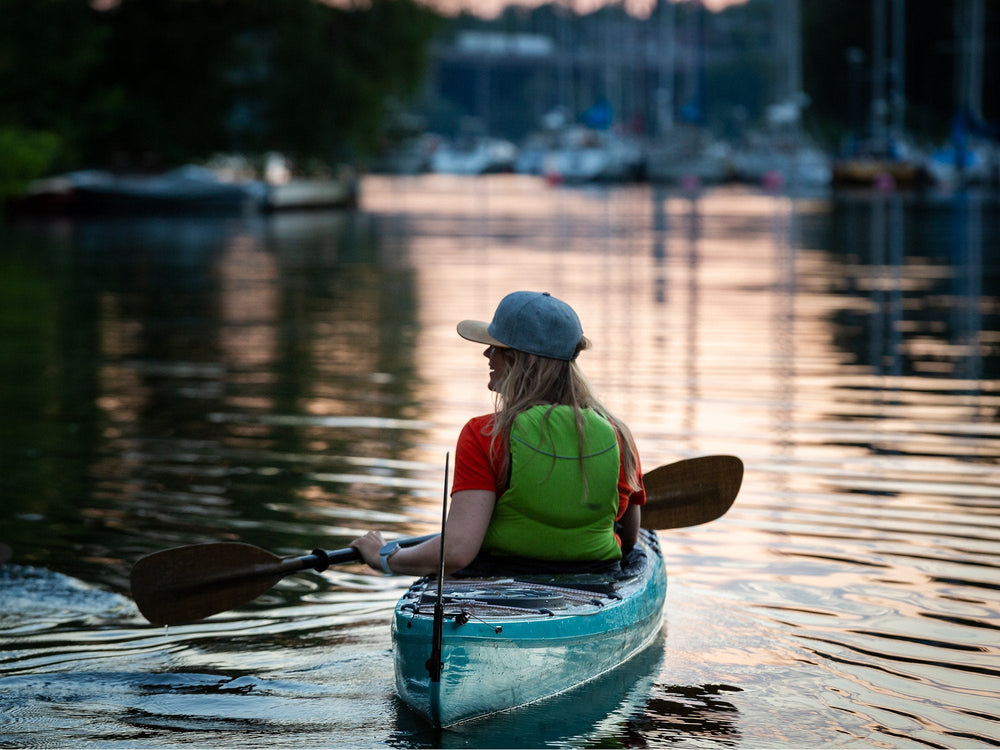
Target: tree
{"type": "Point", "coordinates": [331, 70]}
{"type": "Point", "coordinates": [160, 82]}
{"type": "Point", "coordinates": [50, 53]}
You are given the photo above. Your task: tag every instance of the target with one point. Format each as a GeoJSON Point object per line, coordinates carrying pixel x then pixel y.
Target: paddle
{"type": "Point", "coordinates": [5, 553]}
{"type": "Point", "coordinates": [184, 584]}
{"type": "Point", "coordinates": [691, 492]}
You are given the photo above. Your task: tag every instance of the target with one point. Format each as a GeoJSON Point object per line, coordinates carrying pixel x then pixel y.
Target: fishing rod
{"type": "Point", "coordinates": [434, 662]}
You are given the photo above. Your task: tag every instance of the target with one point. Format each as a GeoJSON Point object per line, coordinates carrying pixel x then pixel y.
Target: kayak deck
{"type": "Point", "coordinates": [511, 641]}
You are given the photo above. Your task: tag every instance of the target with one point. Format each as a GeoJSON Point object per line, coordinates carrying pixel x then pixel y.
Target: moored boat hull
{"type": "Point", "coordinates": [510, 642]}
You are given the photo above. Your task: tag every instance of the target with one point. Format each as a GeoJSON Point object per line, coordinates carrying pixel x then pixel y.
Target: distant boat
{"type": "Point", "coordinates": [339, 190]}
{"type": "Point", "coordinates": [974, 165]}
{"type": "Point", "coordinates": [776, 161]}
{"type": "Point", "coordinates": [474, 156]}
{"type": "Point", "coordinates": [868, 171]}
{"type": "Point", "coordinates": [188, 189]}
{"type": "Point", "coordinates": [310, 193]}
{"type": "Point", "coordinates": [689, 156]}
{"type": "Point", "coordinates": [583, 154]}
{"type": "Point", "coordinates": [889, 167]}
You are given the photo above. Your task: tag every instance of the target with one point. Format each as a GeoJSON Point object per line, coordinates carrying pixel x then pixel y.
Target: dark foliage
{"type": "Point", "coordinates": [159, 82]}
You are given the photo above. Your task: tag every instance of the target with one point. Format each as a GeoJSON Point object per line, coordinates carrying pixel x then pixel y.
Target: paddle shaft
{"type": "Point", "coordinates": [318, 560]}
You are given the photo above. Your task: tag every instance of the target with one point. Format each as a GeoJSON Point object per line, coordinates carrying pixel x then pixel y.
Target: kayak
{"type": "Point", "coordinates": [500, 642]}
{"type": "Point", "coordinates": [511, 641]}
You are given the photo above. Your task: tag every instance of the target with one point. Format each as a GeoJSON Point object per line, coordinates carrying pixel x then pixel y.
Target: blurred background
{"type": "Point", "coordinates": [850, 92]}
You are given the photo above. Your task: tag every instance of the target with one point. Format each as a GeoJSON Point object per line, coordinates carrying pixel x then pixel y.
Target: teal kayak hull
{"type": "Point", "coordinates": [509, 642]}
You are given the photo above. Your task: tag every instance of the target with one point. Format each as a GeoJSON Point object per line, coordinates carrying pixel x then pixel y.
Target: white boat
{"type": "Point", "coordinates": [583, 154]}
{"type": "Point", "coordinates": [296, 193]}
{"type": "Point", "coordinates": [777, 161]}
{"type": "Point", "coordinates": [474, 156]}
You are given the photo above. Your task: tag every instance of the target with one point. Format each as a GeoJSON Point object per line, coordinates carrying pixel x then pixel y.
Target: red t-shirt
{"type": "Point", "coordinates": [476, 470]}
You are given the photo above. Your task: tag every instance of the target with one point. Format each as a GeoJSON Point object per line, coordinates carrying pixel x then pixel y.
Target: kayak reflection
{"type": "Point", "coordinates": [596, 709]}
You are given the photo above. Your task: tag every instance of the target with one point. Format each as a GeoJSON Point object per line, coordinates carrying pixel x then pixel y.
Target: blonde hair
{"type": "Point", "coordinates": [530, 380]}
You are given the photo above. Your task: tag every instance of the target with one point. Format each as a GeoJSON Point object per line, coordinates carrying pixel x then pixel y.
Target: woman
{"type": "Point", "coordinates": [539, 483]}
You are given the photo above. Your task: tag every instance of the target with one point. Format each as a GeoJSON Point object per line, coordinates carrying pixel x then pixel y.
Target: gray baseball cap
{"type": "Point", "coordinates": [532, 322]}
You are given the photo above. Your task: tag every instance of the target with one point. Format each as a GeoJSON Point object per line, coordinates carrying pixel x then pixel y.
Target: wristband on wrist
{"type": "Point", "coordinates": [387, 551]}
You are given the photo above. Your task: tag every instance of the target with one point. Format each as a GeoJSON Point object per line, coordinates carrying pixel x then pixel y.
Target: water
{"type": "Point", "coordinates": [292, 381]}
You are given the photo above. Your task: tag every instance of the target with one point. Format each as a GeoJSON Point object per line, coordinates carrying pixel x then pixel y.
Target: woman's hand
{"type": "Point", "coordinates": [468, 518]}
{"type": "Point", "coordinates": [369, 546]}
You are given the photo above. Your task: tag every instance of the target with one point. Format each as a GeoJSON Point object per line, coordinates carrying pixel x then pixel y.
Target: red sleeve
{"type": "Point", "coordinates": [626, 495]}
{"type": "Point", "coordinates": [473, 468]}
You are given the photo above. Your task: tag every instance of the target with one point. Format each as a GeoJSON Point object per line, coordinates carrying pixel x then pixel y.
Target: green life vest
{"type": "Point", "coordinates": [560, 505]}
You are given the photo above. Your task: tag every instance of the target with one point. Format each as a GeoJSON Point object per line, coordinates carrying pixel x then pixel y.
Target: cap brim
{"type": "Point", "coordinates": [476, 330]}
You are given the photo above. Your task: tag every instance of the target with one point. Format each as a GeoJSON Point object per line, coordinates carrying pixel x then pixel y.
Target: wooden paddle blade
{"type": "Point", "coordinates": [184, 584]}
{"type": "Point", "coordinates": [691, 492]}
